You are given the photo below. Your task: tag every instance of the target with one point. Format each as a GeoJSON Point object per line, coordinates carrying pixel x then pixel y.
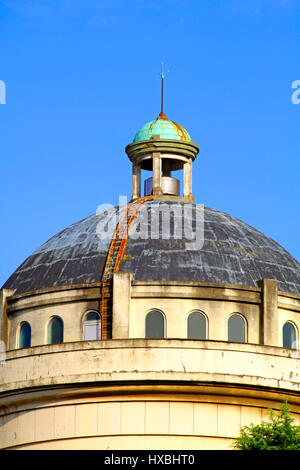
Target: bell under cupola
{"type": "Point", "coordinates": [162, 147]}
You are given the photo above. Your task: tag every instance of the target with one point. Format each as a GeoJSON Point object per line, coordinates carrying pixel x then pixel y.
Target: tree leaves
{"type": "Point", "coordinates": [276, 434]}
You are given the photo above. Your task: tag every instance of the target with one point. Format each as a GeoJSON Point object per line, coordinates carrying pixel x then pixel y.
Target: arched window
{"type": "Point", "coordinates": [55, 331]}
{"type": "Point", "coordinates": [196, 326]}
{"type": "Point", "coordinates": [289, 336]}
{"type": "Point", "coordinates": [91, 326]}
{"type": "Point", "coordinates": [25, 336]}
{"type": "Point", "coordinates": [155, 324]}
{"type": "Point", "coordinates": [237, 329]}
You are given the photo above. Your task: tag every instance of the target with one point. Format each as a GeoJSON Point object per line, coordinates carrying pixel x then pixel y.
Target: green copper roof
{"type": "Point", "coordinates": [163, 127]}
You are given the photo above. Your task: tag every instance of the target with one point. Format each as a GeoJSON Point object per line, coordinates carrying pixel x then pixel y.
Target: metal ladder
{"type": "Point", "coordinates": [114, 258]}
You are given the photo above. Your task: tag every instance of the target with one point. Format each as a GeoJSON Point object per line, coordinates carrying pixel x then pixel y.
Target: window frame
{"type": "Point", "coordinates": [164, 324]}
{"type": "Point", "coordinates": [289, 322]}
{"type": "Point", "coordinates": [84, 324]}
{"type": "Point", "coordinates": [206, 324]}
{"type": "Point", "coordinates": [51, 319]}
{"type": "Point", "coordinates": [22, 324]}
{"type": "Point", "coordinates": [237, 314]}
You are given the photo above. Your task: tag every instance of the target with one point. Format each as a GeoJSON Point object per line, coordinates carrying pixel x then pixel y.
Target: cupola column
{"type": "Point", "coordinates": [136, 180]}
{"type": "Point", "coordinates": [187, 179]}
{"type": "Point", "coordinates": [156, 174]}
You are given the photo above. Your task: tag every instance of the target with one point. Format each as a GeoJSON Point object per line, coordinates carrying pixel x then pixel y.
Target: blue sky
{"type": "Point", "coordinates": [82, 76]}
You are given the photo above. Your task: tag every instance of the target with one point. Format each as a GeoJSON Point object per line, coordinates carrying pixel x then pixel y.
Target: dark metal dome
{"type": "Point", "coordinates": [233, 252]}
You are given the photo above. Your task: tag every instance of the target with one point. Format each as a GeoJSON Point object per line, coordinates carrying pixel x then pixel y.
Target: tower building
{"type": "Point", "coordinates": [161, 324]}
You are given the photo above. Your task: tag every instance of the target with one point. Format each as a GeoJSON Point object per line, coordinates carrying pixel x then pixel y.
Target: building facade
{"type": "Point", "coordinates": [162, 324]}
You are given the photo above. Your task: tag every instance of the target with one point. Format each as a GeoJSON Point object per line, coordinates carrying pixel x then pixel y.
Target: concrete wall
{"type": "Point", "coordinates": [142, 393]}
{"type": "Point", "coordinates": [159, 424]}
{"type": "Point", "coordinates": [131, 392]}
{"type": "Point", "coordinates": [70, 304]}
{"type": "Point", "coordinates": [265, 311]}
{"type": "Point", "coordinates": [141, 359]}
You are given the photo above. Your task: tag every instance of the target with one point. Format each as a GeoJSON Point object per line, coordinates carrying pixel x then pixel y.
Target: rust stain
{"type": "Point", "coordinates": [181, 132]}
{"type": "Point", "coordinates": [117, 248]}
{"type": "Point", "coordinates": [162, 116]}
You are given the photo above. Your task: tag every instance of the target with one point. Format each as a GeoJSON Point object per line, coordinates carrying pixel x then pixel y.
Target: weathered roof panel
{"type": "Point", "coordinates": [233, 252]}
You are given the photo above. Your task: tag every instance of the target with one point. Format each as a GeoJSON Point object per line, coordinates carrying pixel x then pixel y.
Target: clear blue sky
{"type": "Point", "coordinates": [83, 75]}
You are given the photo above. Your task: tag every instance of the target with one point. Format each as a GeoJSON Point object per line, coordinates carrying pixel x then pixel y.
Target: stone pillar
{"type": "Point", "coordinates": [121, 304]}
{"type": "Point", "coordinates": [187, 179]}
{"type": "Point", "coordinates": [136, 181]}
{"type": "Point", "coordinates": [156, 174]}
{"type": "Point", "coordinates": [4, 293]}
{"type": "Point", "coordinates": [269, 312]}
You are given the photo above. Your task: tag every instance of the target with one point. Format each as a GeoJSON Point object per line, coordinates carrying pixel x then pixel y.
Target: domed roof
{"type": "Point", "coordinates": [164, 128]}
{"type": "Point", "coordinates": [233, 252]}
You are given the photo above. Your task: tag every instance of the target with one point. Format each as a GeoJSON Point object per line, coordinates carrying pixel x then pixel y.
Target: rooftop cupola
{"type": "Point", "coordinates": [162, 147]}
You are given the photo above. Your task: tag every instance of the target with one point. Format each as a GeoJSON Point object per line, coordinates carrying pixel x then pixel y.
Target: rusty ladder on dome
{"type": "Point", "coordinates": [114, 257]}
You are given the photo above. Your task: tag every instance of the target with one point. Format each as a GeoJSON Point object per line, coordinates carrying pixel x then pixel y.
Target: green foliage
{"type": "Point", "coordinates": [276, 434]}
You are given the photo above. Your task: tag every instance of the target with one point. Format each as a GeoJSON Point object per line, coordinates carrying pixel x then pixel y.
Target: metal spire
{"type": "Point", "coordinates": [163, 74]}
